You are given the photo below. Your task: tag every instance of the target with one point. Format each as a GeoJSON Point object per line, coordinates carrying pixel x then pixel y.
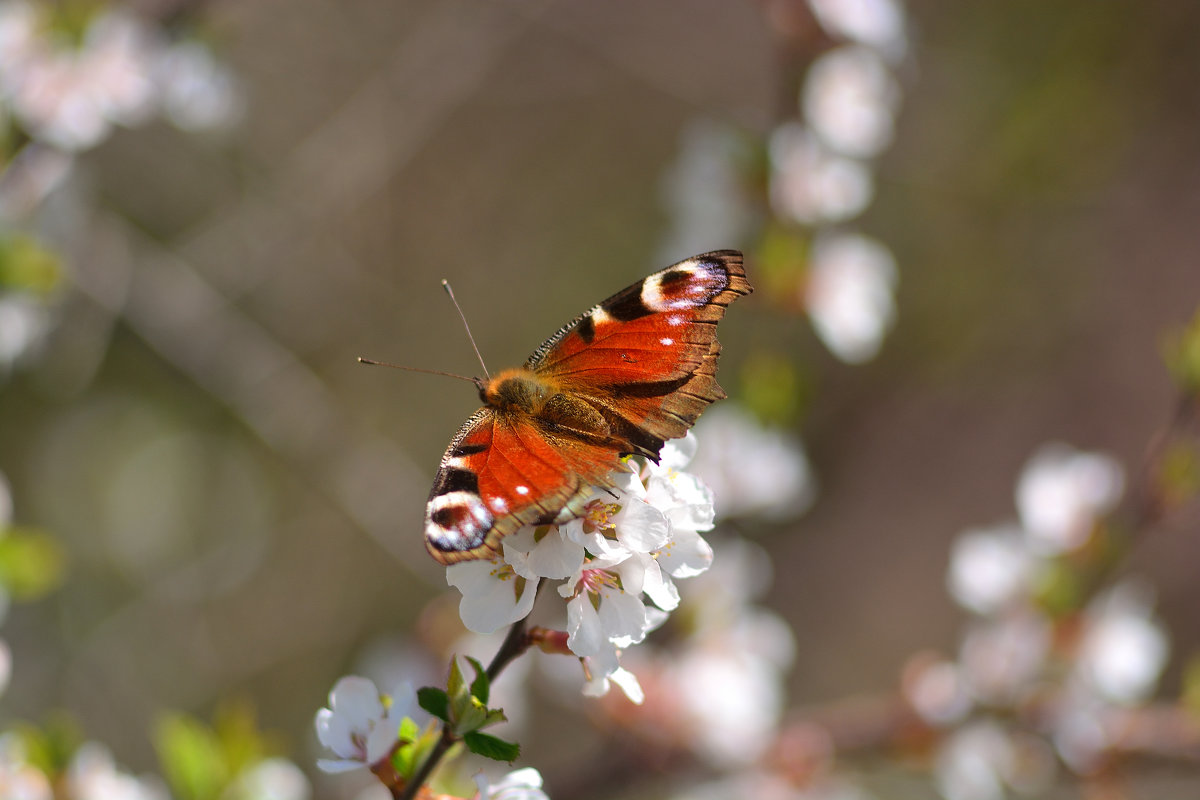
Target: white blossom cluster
{"type": "Point", "coordinates": [617, 565]}
{"type": "Point", "coordinates": [821, 174]}
{"type": "Point", "coordinates": [92, 774]}
{"type": "Point", "coordinates": [122, 71]}
{"type": "Point", "coordinates": [1011, 656]}
{"type": "Point", "coordinates": [361, 727]}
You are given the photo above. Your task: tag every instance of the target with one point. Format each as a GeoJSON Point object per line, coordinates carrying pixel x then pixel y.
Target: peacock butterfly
{"type": "Point", "coordinates": [620, 379]}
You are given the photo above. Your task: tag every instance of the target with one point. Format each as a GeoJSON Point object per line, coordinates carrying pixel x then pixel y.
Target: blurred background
{"type": "Point", "coordinates": [238, 503]}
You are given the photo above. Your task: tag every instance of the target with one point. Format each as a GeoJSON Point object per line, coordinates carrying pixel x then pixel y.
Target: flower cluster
{"type": "Point", "coordinates": [364, 728]}
{"type": "Point", "coordinates": [617, 564]}
{"type": "Point", "coordinates": [120, 71]}
{"type": "Point", "coordinates": [1058, 680]}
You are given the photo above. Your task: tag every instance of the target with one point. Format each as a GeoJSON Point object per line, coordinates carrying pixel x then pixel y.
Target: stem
{"type": "Point", "coordinates": [514, 644]}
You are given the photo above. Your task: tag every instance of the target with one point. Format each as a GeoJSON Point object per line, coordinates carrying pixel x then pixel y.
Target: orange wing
{"type": "Point", "coordinates": [636, 370]}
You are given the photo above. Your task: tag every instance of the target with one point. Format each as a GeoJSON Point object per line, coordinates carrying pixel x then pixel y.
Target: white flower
{"type": "Point", "coordinates": [850, 100]}
{"type": "Point", "coordinates": [92, 775]}
{"type": "Point", "coordinates": [1124, 650]}
{"type": "Point", "coordinates": [543, 552]}
{"type": "Point", "coordinates": [849, 294]}
{"type": "Point", "coordinates": [604, 669]}
{"type": "Point", "coordinates": [493, 594]}
{"type": "Point", "coordinates": [618, 524]}
{"type": "Point", "coordinates": [989, 569]}
{"type": "Point", "coordinates": [359, 727]}
{"type": "Point", "coordinates": [1062, 491]}
{"type": "Point", "coordinates": [600, 613]}
{"type": "Point", "coordinates": [811, 185]}
{"type": "Point", "coordinates": [521, 784]}
{"type": "Point", "coordinates": [878, 23]}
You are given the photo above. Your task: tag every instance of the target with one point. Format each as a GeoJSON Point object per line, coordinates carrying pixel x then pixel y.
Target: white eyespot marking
{"type": "Point", "coordinates": [676, 320]}
{"type": "Point", "coordinates": [455, 461]}
{"type": "Point", "coordinates": [666, 342]}
{"type": "Point", "coordinates": [499, 505]}
{"type": "Point", "coordinates": [599, 317]}
{"type": "Point", "coordinates": [457, 520]}
{"type": "Point", "coordinates": [522, 490]}
{"type": "Point", "coordinates": [676, 296]}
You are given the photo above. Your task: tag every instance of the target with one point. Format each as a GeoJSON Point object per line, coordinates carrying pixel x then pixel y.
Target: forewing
{"type": "Point", "coordinates": [647, 356]}
{"type": "Point", "coordinates": [501, 472]}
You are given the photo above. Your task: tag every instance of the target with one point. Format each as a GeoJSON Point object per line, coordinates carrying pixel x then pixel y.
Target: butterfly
{"type": "Point", "coordinates": [620, 379]}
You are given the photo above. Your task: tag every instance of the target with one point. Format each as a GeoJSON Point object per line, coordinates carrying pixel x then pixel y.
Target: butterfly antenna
{"type": "Point", "coordinates": [449, 291]}
{"type": "Point", "coordinates": [375, 363]}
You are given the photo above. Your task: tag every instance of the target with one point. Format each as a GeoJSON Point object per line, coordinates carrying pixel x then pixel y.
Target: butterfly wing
{"type": "Point", "coordinates": [646, 357]}
{"type": "Point", "coordinates": [624, 377]}
{"type": "Point", "coordinates": [499, 473]}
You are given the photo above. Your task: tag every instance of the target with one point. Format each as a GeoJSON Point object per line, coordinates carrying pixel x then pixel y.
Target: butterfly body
{"type": "Point", "coordinates": [621, 379]}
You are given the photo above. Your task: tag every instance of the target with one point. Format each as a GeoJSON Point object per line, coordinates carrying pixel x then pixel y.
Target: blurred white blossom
{"type": "Point", "coordinates": [850, 100]}
{"type": "Point", "coordinates": [1002, 658]}
{"type": "Point", "coordinates": [20, 780]}
{"type": "Point", "coordinates": [938, 692]}
{"type": "Point", "coordinates": [849, 294]}
{"type": "Point", "coordinates": [1123, 649]}
{"type": "Point", "coordinates": [521, 784]}
{"type": "Point", "coordinates": [359, 726]}
{"type": "Point", "coordinates": [812, 185]}
{"type": "Point", "coordinates": [93, 775]}
{"type": "Point", "coordinates": [198, 91]}
{"type": "Point", "coordinates": [985, 759]}
{"type": "Point", "coordinates": [270, 779]}
{"type": "Point", "coordinates": [878, 23]}
{"type": "Point", "coordinates": [1062, 491]}
{"type": "Point", "coordinates": [755, 470]}
{"type": "Point", "coordinates": [990, 569]}
{"type": "Point", "coordinates": [122, 72]}
{"type": "Point", "coordinates": [703, 192]}
{"type": "Point", "coordinates": [24, 324]}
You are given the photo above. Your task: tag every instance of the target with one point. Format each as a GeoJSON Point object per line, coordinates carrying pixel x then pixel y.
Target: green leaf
{"type": "Point", "coordinates": [410, 756]}
{"type": "Point", "coordinates": [455, 684]}
{"type": "Point", "coordinates": [435, 701]}
{"type": "Point", "coordinates": [51, 747]}
{"type": "Point", "coordinates": [469, 718]}
{"type": "Point", "coordinates": [1182, 354]}
{"type": "Point", "coordinates": [32, 563]}
{"type": "Point", "coordinates": [192, 758]}
{"type": "Point", "coordinates": [481, 686]}
{"type": "Point", "coordinates": [492, 747]}
{"type": "Point", "coordinates": [26, 265]}
{"type": "Point", "coordinates": [235, 724]}
{"type": "Point", "coordinates": [494, 716]}
{"type": "Point", "coordinates": [1191, 686]}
